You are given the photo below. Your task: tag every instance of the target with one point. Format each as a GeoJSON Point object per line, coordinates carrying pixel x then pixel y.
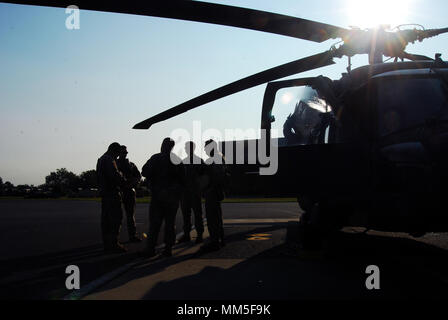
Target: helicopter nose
{"type": "Point", "coordinates": [438, 146]}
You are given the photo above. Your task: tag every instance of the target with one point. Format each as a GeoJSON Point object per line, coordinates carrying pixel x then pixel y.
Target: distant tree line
{"type": "Point", "coordinates": [62, 183]}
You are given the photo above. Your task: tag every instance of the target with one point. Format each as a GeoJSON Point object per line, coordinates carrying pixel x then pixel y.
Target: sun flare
{"type": "Point", "coordinates": [368, 14]}
{"type": "Point", "coordinates": [286, 97]}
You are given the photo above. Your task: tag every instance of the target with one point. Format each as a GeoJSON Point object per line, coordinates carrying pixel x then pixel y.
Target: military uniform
{"type": "Point", "coordinates": [165, 182]}
{"type": "Point", "coordinates": [191, 196]}
{"type": "Point", "coordinates": [110, 180]}
{"type": "Point", "coordinates": [133, 177]}
{"type": "Point", "coordinates": [214, 194]}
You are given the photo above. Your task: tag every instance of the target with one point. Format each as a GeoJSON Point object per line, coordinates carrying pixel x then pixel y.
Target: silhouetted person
{"type": "Point", "coordinates": [166, 180]}
{"type": "Point", "coordinates": [110, 180]}
{"type": "Point", "coordinates": [133, 177]}
{"type": "Point", "coordinates": [214, 194]}
{"type": "Point", "coordinates": [191, 196]}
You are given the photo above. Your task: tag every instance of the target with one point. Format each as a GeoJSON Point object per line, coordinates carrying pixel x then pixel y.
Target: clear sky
{"type": "Point", "coordinates": [67, 94]}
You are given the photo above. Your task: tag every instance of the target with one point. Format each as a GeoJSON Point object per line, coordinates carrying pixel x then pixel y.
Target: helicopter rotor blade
{"type": "Point", "coordinates": [284, 70]}
{"type": "Point", "coordinates": [429, 33]}
{"type": "Point", "coordinates": [213, 13]}
{"type": "Point", "coordinates": [415, 57]}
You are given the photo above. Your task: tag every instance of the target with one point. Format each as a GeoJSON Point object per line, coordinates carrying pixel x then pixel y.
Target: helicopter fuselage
{"type": "Point", "coordinates": [368, 150]}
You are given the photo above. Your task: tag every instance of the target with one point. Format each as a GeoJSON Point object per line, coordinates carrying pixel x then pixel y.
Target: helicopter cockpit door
{"type": "Point", "coordinates": [298, 117]}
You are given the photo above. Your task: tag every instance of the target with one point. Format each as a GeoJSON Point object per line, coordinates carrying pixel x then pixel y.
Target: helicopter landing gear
{"type": "Point", "coordinates": [310, 233]}
{"type": "Point", "coordinates": [316, 226]}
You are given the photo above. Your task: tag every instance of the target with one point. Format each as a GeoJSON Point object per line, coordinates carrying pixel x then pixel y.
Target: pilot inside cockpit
{"type": "Point", "coordinates": [306, 125]}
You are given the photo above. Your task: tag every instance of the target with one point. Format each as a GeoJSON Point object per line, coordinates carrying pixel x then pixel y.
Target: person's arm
{"type": "Point", "coordinates": [136, 176]}
{"type": "Point", "coordinates": [137, 173]}
{"type": "Point", "coordinates": [208, 175]}
{"type": "Point", "coordinates": [114, 174]}
{"type": "Point", "coordinates": [147, 169]}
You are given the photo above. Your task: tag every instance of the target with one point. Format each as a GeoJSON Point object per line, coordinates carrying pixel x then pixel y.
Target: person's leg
{"type": "Point", "coordinates": [212, 219]}
{"type": "Point", "coordinates": [116, 218]}
{"type": "Point", "coordinates": [113, 214]}
{"type": "Point", "coordinates": [105, 225]}
{"type": "Point", "coordinates": [186, 214]}
{"type": "Point", "coordinates": [129, 207]}
{"type": "Point", "coordinates": [155, 222]}
{"type": "Point", "coordinates": [198, 220]}
{"type": "Point", "coordinates": [170, 210]}
{"type": "Point", "coordinates": [220, 222]}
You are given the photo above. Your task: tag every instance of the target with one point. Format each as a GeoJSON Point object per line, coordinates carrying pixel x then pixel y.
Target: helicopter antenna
{"type": "Point", "coordinates": [409, 25]}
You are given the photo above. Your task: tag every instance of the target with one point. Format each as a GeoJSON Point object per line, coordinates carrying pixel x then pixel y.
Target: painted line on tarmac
{"type": "Point", "coordinates": [259, 237]}
{"type": "Point", "coordinates": [95, 284]}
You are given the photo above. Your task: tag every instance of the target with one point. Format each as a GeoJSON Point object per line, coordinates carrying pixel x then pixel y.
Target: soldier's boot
{"type": "Point", "coordinates": [118, 248]}
{"type": "Point", "coordinates": [185, 238]}
{"type": "Point", "coordinates": [135, 238]}
{"type": "Point", "coordinates": [209, 247]}
{"type": "Point", "coordinates": [199, 238]}
{"type": "Point", "coordinates": [167, 252]}
{"type": "Point", "coordinates": [149, 252]}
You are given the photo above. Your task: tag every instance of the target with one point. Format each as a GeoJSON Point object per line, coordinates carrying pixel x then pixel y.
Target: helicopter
{"type": "Point", "coordinates": [369, 149]}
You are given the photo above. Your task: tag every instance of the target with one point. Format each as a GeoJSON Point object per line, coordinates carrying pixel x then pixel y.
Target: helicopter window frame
{"type": "Point", "coordinates": [269, 99]}
{"type": "Point", "coordinates": [362, 102]}
{"type": "Point", "coordinates": [374, 84]}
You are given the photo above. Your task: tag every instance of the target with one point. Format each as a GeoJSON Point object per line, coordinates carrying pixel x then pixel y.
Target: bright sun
{"type": "Point", "coordinates": [367, 14]}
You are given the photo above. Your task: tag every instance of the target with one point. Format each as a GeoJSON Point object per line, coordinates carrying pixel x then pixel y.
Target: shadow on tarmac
{"type": "Point", "coordinates": [409, 269]}
{"type": "Point", "coordinates": [43, 277]}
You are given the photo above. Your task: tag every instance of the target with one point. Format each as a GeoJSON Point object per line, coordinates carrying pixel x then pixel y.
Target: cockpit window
{"type": "Point", "coordinates": [301, 116]}
{"type": "Point", "coordinates": [408, 102]}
